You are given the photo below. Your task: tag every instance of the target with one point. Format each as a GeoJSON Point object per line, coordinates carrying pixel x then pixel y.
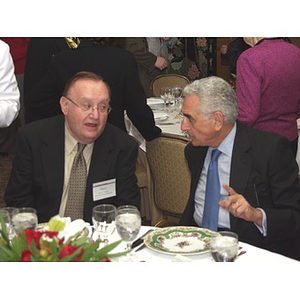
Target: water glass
{"type": "Point", "coordinates": [128, 223]}
{"type": "Point", "coordinates": [23, 218]}
{"type": "Point", "coordinates": [10, 230]}
{"type": "Point", "coordinates": [5, 216]}
{"type": "Point", "coordinates": [103, 217]}
{"type": "Point", "coordinates": [224, 247]}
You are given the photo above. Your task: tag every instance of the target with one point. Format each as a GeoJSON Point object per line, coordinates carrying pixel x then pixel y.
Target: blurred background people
{"type": "Point", "coordinates": [268, 87]}
{"type": "Point", "coordinates": [150, 64]}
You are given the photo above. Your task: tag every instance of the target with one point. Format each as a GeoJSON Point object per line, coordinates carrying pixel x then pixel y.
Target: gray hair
{"type": "Point", "coordinates": [215, 94]}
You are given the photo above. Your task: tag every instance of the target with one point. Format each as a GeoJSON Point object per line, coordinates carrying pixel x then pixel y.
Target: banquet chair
{"type": "Point", "coordinates": [171, 176]}
{"type": "Point", "coordinates": [170, 80]}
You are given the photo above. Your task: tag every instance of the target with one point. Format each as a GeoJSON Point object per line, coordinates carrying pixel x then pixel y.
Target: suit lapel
{"type": "Point", "coordinates": [241, 164]}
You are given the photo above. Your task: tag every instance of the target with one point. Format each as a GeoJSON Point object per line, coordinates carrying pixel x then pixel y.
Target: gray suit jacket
{"type": "Point", "coordinates": [264, 170]}
{"type": "Point", "coordinates": [38, 168]}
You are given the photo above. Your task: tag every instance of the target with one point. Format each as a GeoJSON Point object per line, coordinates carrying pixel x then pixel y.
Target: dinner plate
{"type": "Point", "coordinates": [160, 116]}
{"type": "Point", "coordinates": [182, 240]}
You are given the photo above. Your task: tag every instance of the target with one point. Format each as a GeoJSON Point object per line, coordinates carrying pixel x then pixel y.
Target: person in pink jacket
{"type": "Point", "coordinates": [268, 87]}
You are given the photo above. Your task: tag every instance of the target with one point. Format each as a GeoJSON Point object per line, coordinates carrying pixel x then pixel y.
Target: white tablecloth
{"type": "Point", "coordinates": [254, 254]}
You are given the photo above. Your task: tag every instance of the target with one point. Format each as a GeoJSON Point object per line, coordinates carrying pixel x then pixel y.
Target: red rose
{"type": "Point", "coordinates": [68, 250]}
{"type": "Point", "coordinates": [26, 256]}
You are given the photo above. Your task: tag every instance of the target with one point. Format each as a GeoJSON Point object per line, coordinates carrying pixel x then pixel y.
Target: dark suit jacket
{"type": "Point", "coordinates": [264, 170]}
{"type": "Point", "coordinates": [118, 68]}
{"type": "Point", "coordinates": [38, 168]}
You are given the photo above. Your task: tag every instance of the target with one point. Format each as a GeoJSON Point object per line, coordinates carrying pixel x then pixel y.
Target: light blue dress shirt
{"type": "Point", "coordinates": [224, 165]}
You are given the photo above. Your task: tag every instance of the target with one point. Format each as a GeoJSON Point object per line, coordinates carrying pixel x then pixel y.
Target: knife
{"type": "Point", "coordinates": [140, 240]}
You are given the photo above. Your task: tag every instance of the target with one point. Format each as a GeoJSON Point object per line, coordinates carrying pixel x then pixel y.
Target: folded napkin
{"type": "Point", "coordinates": [73, 227]}
{"type": "Point", "coordinates": [155, 101]}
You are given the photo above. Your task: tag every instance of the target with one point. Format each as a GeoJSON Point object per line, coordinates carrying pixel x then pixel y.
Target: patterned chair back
{"type": "Point", "coordinates": [170, 174]}
{"type": "Point", "coordinates": [170, 80]}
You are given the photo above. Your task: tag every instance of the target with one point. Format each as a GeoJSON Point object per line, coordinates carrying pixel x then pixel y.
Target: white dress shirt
{"type": "Point", "coordinates": [9, 92]}
{"type": "Point", "coordinates": [70, 152]}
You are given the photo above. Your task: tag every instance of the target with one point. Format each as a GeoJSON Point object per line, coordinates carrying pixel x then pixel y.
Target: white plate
{"type": "Point", "coordinates": [180, 240]}
{"type": "Point", "coordinates": [160, 116]}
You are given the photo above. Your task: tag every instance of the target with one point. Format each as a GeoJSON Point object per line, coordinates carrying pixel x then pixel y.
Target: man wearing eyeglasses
{"type": "Point", "coordinates": [46, 149]}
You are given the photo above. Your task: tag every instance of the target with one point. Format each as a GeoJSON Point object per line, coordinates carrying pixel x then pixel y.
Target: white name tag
{"type": "Point", "coordinates": [104, 189]}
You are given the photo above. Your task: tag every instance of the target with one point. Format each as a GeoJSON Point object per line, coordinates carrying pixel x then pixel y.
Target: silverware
{"type": "Point", "coordinates": [241, 252]}
{"type": "Point", "coordinates": [140, 241]}
{"type": "Point", "coordinates": [170, 123]}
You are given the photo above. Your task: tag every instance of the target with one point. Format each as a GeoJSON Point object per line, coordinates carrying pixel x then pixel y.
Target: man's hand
{"type": "Point", "coordinates": [238, 206]}
{"type": "Point", "coordinates": [160, 63]}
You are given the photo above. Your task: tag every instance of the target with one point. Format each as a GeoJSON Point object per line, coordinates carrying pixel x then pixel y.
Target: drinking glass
{"type": "Point", "coordinates": [166, 95]}
{"type": "Point", "coordinates": [103, 217]}
{"type": "Point", "coordinates": [176, 91]}
{"type": "Point", "coordinates": [128, 223]}
{"type": "Point", "coordinates": [5, 216]}
{"type": "Point", "coordinates": [224, 247]}
{"type": "Point", "coordinates": [24, 217]}
{"type": "Point", "coordinates": [10, 229]}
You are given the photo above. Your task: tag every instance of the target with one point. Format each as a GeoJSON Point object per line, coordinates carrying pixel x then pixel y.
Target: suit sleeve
{"type": "Point", "coordinates": [19, 190]}
{"type": "Point", "coordinates": [137, 109]}
{"type": "Point", "coordinates": [127, 189]}
{"type": "Point", "coordinates": [283, 218]}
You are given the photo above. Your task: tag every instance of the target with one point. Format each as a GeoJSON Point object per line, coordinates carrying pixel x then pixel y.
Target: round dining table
{"type": "Point", "coordinates": [146, 254]}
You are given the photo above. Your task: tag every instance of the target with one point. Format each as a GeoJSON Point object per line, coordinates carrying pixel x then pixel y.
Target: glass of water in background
{"type": "Point", "coordinates": [23, 218]}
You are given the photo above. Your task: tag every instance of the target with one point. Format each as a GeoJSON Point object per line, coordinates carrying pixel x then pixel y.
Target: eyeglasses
{"type": "Point", "coordinates": [102, 108]}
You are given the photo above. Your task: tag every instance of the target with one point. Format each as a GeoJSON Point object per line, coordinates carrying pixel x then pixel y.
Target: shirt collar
{"type": "Point", "coordinates": [71, 143]}
{"type": "Point", "coordinates": [227, 144]}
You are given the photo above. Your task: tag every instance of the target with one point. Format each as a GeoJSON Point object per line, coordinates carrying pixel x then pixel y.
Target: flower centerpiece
{"type": "Point", "coordinates": [50, 246]}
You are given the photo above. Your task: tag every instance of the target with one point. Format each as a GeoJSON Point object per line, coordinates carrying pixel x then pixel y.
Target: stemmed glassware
{"type": "Point", "coordinates": [103, 218]}
{"type": "Point", "coordinates": [24, 217]}
{"type": "Point", "coordinates": [128, 223]}
{"type": "Point", "coordinates": [166, 95]}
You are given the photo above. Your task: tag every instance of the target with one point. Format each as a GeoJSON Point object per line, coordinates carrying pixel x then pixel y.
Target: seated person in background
{"type": "Point", "coordinates": [9, 92]}
{"type": "Point", "coordinates": [42, 166]}
{"type": "Point", "coordinates": [257, 189]}
{"type": "Point", "coordinates": [115, 65]}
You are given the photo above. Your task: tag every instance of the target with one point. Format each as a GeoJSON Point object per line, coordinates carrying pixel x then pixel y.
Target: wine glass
{"type": "Point", "coordinates": [224, 247]}
{"type": "Point", "coordinates": [166, 95]}
{"type": "Point", "coordinates": [103, 217]}
{"type": "Point", "coordinates": [176, 91]}
{"type": "Point", "coordinates": [24, 217]}
{"type": "Point", "coordinates": [10, 229]}
{"type": "Point", "coordinates": [128, 223]}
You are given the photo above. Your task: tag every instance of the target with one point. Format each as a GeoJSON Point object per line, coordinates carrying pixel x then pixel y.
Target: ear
{"type": "Point", "coordinates": [218, 118]}
{"type": "Point", "coordinates": [64, 105]}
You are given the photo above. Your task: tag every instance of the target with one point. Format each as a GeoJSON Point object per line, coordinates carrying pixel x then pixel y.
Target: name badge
{"type": "Point", "coordinates": [104, 189]}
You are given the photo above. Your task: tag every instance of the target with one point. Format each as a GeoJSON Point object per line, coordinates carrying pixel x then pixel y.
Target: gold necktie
{"type": "Point", "coordinates": [77, 186]}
